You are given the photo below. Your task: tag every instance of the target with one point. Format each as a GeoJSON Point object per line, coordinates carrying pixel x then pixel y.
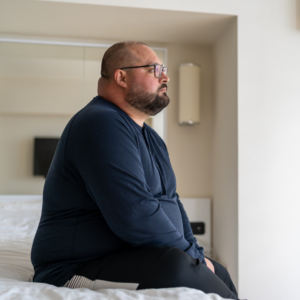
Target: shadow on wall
{"type": "Point", "coordinates": [298, 14]}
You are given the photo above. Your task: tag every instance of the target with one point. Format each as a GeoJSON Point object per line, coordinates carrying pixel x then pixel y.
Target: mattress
{"type": "Point", "coordinates": [19, 217]}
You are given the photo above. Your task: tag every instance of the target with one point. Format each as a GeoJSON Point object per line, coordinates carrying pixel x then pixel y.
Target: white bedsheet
{"type": "Point", "coordinates": [18, 223]}
{"type": "Point", "coordinates": [10, 289]}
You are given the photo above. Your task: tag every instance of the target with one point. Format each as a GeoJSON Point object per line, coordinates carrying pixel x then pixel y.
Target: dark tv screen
{"type": "Point", "coordinates": [44, 149]}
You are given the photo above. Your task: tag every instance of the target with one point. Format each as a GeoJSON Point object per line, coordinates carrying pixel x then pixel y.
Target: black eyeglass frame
{"type": "Point", "coordinates": [163, 69]}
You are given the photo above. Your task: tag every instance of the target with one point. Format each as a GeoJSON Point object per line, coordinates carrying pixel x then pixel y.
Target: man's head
{"type": "Point", "coordinates": [139, 87]}
{"type": "Point", "coordinates": [118, 56]}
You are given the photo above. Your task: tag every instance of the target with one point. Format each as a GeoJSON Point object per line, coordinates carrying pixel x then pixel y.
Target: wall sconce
{"type": "Point", "coordinates": [189, 94]}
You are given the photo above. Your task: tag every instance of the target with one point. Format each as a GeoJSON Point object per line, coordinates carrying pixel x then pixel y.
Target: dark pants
{"type": "Point", "coordinates": [223, 274]}
{"type": "Point", "coordinates": [163, 267]}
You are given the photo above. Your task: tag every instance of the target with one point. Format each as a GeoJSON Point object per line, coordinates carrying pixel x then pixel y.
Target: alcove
{"type": "Point", "coordinates": [204, 157]}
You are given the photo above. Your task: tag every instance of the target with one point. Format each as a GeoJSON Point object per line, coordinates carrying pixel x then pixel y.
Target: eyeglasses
{"type": "Point", "coordinates": [158, 69]}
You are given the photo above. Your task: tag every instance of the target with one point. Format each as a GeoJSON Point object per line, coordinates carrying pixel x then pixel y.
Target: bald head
{"type": "Point", "coordinates": [118, 56]}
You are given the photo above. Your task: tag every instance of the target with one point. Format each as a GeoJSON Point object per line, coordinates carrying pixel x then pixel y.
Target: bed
{"type": "Point", "coordinates": [19, 217]}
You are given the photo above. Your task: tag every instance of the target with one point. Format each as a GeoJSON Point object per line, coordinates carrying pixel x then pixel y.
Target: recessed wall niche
{"type": "Point", "coordinates": [176, 31]}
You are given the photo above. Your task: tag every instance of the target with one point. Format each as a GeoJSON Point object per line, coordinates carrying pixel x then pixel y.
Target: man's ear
{"type": "Point", "coordinates": [121, 78]}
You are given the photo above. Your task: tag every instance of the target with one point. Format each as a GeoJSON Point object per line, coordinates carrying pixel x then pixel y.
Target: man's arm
{"type": "Point", "coordinates": [188, 233]}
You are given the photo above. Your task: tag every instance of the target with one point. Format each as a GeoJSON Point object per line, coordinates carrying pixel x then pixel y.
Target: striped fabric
{"type": "Point", "coordinates": [77, 282]}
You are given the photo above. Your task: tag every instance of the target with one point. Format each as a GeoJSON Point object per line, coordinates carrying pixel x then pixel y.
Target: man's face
{"type": "Point", "coordinates": [146, 92]}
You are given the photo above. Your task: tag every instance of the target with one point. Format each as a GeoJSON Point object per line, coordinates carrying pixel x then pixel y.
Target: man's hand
{"type": "Point", "coordinates": [210, 265]}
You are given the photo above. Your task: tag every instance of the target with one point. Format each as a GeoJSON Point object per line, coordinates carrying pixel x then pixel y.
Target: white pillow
{"type": "Point", "coordinates": [15, 260]}
{"type": "Point", "coordinates": [19, 219]}
{"type": "Point", "coordinates": [16, 272]}
{"type": "Point", "coordinates": [18, 224]}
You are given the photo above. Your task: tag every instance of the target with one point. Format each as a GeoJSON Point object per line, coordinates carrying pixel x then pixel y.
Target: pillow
{"type": "Point", "coordinates": [15, 260]}
{"type": "Point", "coordinates": [16, 272]}
{"type": "Point", "coordinates": [18, 224]}
{"type": "Point", "coordinates": [19, 219]}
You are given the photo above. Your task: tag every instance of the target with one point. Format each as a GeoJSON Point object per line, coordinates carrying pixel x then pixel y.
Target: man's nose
{"type": "Point", "coordinates": [164, 78]}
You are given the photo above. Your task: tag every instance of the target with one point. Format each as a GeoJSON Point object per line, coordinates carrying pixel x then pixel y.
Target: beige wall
{"type": "Point", "coordinates": [190, 146]}
{"type": "Point", "coordinates": [27, 115]}
{"type": "Point", "coordinates": [16, 157]}
{"type": "Point", "coordinates": [225, 151]}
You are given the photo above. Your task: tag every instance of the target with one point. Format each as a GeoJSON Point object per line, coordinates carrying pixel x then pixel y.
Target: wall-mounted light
{"type": "Point", "coordinates": [189, 94]}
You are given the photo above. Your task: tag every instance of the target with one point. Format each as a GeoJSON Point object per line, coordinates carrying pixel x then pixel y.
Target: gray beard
{"type": "Point", "coordinates": [148, 103]}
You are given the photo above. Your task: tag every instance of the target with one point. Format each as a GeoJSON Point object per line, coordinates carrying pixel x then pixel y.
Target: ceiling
{"type": "Point", "coordinates": [85, 21]}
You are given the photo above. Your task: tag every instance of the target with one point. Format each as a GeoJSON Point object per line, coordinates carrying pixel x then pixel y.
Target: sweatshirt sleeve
{"type": "Point", "coordinates": [188, 233]}
{"type": "Point", "coordinates": [106, 157]}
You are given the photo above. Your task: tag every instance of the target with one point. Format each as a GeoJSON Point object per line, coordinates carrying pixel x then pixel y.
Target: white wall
{"type": "Point", "coordinates": [225, 151]}
{"type": "Point", "coordinates": [269, 190]}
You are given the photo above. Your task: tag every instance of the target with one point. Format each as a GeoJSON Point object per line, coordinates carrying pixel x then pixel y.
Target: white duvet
{"type": "Point", "coordinates": [18, 222]}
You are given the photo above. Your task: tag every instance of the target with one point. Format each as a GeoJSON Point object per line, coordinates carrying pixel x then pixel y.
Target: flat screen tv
{"type": "Point", "coordinates": [44, 149]}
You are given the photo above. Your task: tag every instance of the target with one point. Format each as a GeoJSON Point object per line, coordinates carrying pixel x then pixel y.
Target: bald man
{"type": "Point", "coordinates": [111, 216]}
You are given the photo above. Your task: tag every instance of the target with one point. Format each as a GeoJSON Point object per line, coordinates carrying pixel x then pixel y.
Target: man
{"type": "Point", "coordinates": [111, 213]}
